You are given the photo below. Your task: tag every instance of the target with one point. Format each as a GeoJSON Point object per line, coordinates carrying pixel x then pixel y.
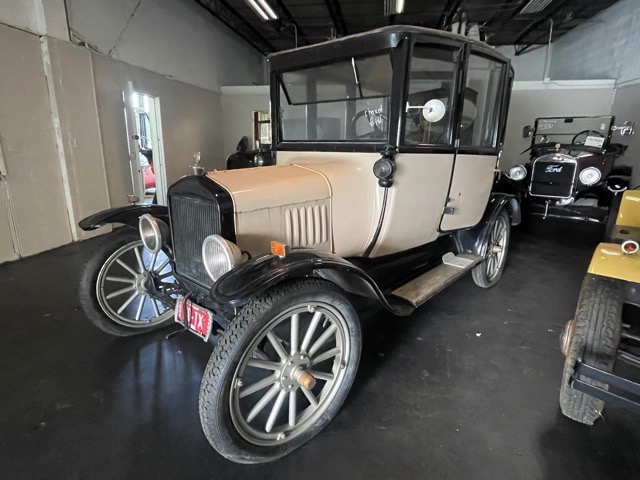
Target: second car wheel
{"type": "Point", "coordinates": [281, 371]}
{"type": "Point", "coordinates": [489, 272]}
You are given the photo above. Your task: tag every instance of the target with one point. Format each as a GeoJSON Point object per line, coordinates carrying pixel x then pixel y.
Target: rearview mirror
{"type": "Point", "coordinates": [527, 131]}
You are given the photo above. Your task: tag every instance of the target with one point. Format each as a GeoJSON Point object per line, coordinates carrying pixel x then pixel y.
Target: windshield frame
{"type": "Point", "coordinates": [561, 141]}
{"type": "Point", "coordinates": [277, 87]}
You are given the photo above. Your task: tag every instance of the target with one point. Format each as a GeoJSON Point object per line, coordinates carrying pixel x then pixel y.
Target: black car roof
{"type": "Point", "coordinates": [373, 40]}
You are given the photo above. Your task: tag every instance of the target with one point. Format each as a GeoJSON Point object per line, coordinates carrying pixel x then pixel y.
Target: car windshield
{"type": "Point", "coordinates": [587, 131]}
{"type": "Point", "coordinates": [347, 100]}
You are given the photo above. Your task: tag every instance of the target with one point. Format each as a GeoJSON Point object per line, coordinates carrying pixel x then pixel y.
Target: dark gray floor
{"type": "Point", "coordinates": [466, 388]}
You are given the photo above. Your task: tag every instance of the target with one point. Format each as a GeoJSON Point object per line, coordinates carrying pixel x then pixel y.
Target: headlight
{"type": "Point", "coordinates": [517, 173]}
{"type": "Point", "coordinates": [590, 176]}
{"type": "Point", "coordinates": [259, 160]}
{"type": "Point", "coordinates": [630, 247]}
{"type": "Point", "coordinates": [152, 232]}
{"type": "Point", "coordinates": [219, 256]}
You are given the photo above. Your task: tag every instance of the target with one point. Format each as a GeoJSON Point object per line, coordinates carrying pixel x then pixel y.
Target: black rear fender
{"type": "Point", "coordinates": [474, 240]}
{"type": "Point", "coordinates": [128, 215]}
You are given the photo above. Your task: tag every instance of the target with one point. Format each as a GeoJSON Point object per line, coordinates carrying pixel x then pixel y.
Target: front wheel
{"type": "Point", "coordinates": [117, 284]}
{"type": "Point", "coordinates": [592, 337]}
{"type": "Point", "coordinates": [489, 272]}
{"type": "Point", "coordinates": [281, 372]}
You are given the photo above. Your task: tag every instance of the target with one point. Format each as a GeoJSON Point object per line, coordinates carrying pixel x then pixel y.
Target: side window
{"type": "Point", "coordinates": [431, 93]}
{"type": "Point", "coordinates": [482, 102]}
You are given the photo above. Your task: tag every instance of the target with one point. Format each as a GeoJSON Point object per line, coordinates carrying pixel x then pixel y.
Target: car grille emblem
{"type": "Point", "coordinates": [553, 169]}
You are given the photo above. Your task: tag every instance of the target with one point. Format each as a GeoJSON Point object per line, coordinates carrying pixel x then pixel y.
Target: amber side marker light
{"type": "Point", "coordinates": [630, 246]}
{"type": "Point", "coordinates": [280, 249]}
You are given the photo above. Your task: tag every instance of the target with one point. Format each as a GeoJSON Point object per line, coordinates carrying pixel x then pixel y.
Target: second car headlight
{"type": "Point", "coordinates": [219, 256]}
{"type": "Point", "coordinates": [590, 176]}
{"type": "Point", "coordinates": [517, 173]}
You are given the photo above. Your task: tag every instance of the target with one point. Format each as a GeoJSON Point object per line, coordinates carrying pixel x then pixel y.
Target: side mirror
{"type": "Point", "coordinates": [627, 129]}
{"type": "Point", "coordinates": [527, 131]}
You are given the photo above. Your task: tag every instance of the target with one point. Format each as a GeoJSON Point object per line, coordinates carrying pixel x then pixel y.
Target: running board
{"type": "Point", "coordinates": [427, 285]}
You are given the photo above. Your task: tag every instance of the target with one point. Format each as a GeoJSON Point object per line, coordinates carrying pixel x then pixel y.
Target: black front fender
{"type": "Point", "coordinates": [128, 215]}
{"type": "Point", "coordinates": [238, 286]}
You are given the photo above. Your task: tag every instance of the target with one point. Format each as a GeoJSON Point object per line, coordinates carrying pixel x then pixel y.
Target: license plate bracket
{"type": "Point", "coordinates": [193, 317]}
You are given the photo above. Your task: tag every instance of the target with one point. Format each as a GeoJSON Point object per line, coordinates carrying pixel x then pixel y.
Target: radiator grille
{"type": "Point", "coordinates": [192, 220]}
{"type": "Point", "coordinates": [306, 226]}
{"type": "Point", "coordinates": [553, 178]}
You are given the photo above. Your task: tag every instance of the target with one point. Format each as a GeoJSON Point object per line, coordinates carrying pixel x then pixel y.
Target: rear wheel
{"type": "Point", "coordinates": [115, 285]}
{"type": "Point", "coordinates": [489, 272]}
{"type": "Point", "coordinates": [280, 373]}
{"type": "Point", "coordinates": [593, 338]}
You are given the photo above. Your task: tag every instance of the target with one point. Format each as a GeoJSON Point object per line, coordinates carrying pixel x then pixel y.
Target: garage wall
{"type": "Point", "coordinates": [176, 38]}
{"type": "Point", "coordinates": [34, 179]}
{"type": "Point", "coordinates": [530, 100]}
{"type": "Point", "coordinates": [238, 105]}
{"type": "Point", "coordinates": [191, 121]}
{"type": "Point", "coordinates": [604, 47]}
{"type": "Point", "coordinates": [626, 106]}
{"type": "Point", "coordinates": [77, 115]}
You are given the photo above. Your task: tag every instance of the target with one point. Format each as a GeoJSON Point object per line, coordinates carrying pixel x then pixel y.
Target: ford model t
{"type": "Point", "coordinates": [573, 172]}
{"type": "Point", "coordinates": [386, 148]}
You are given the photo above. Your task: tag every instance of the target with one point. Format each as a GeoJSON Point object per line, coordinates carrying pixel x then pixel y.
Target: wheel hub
{"type": "Point", "coordinates": [141, 282]}
{"type": "Point", "coordinates": [294, 371]}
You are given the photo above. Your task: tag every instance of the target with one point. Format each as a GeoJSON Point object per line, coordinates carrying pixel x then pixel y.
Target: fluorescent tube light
{"type": "Point", "coordinates": [535, 6]}
{"type": "Point", "coordinates": [393, 7]}
{"type": "Point", "coordinates": [262, 9]}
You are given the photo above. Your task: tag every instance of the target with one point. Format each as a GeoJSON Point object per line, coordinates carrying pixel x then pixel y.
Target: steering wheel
{"type": "Point", "coordinates": [375, 133]}
{"type": "Point", "coordinates": [584, 132]}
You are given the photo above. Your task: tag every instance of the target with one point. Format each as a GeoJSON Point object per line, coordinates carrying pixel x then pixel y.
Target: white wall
{"type": "Point", "coordinates": [171, 37]}
{"type": "Point", "coordinates": [238, 105]}
{"type": "Point", "coordinates": [176, 38]}
{"type": "Point", "coordinates": [530, 65]}
{"type": "Point", "coordinates": [606, 46]}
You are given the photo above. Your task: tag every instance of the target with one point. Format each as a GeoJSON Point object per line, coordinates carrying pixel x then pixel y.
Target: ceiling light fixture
{"type": "Point", "coordinates": [535, 6]}
{"type": "Point", "coordinates": [393, 7]}
{"type": "Point", "coordinates": [262, 9]}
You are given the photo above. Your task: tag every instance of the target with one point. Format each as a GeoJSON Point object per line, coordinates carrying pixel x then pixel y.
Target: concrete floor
{"type": "Point", "coordinates": [466, 388]}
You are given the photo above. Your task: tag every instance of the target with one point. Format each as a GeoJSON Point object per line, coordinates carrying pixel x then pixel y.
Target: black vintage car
{"type": "Point", "coordinates": [573, 170]}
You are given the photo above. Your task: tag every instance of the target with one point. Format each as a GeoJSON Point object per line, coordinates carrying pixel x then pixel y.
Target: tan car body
{"type": "Point", "coordinates": [331, 202]}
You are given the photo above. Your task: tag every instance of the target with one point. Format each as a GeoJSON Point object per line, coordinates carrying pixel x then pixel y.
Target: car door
{"type": "Point", "coordinates": [477, 141]}
{"type": "Point", "coordinates": [426, 153]}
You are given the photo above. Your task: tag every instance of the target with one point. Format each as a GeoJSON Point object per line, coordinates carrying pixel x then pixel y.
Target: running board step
{"type": "Point", "coordinates": [427, 285]}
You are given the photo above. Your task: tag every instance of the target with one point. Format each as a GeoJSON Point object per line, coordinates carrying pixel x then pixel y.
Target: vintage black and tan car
{"type": "Point", "coordinates": [606, 325]}
{"type": "Point", "coordinates": [574, 171]}
{"type": "Point", "coordinates": [386, 148]}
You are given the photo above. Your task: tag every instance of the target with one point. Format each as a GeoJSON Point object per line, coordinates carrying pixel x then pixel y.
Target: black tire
{"type": "Point", "coordinates": [109, 244]}
{"type": "Point", "coordinates": [594, 339]}
{"type": "Point", "coordinates": [215, 391]}
{"type": "Point", "coordinates": [480, 273]}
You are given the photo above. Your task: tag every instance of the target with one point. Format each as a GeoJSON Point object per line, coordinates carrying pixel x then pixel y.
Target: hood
{"type": "Point", "coordinates": [267, 187]}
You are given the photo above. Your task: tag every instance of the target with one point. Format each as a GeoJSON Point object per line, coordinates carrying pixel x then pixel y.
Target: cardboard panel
{"type": "Point", "coordinates": [28, 142]}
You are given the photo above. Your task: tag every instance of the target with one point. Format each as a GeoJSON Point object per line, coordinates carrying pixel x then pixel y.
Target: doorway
{"type": "Point", "coordinates": [144, 129]}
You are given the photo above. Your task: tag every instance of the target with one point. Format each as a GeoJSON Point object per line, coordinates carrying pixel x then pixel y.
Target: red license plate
{"type": "Point", "coordinates": [194, 317]}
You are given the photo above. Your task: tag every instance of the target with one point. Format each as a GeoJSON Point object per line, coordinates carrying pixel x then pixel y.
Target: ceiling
{"type": "Point", "coordinates": [500, 22]}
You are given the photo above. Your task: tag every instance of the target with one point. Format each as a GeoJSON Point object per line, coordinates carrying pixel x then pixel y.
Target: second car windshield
{"type": "Point", "coordinates": [347, 100]}
{"type": "Point", "coordinates": [567, 130]}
